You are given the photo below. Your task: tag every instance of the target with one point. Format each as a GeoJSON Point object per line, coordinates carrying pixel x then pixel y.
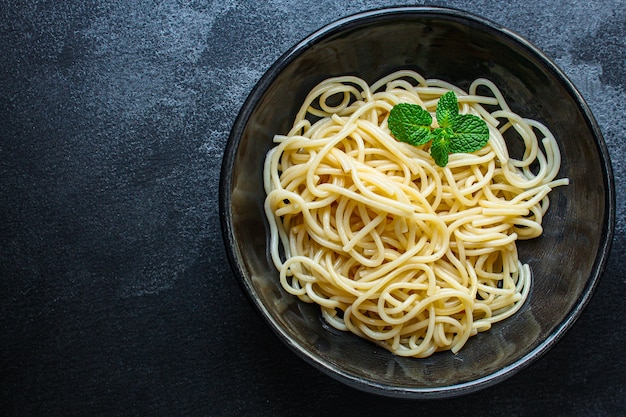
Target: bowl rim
{"type": "Point", "coordinates": [356, 20]}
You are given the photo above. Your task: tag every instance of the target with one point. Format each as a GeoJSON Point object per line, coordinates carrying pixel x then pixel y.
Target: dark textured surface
{"type": "Point", "coordinates": [115, 294]}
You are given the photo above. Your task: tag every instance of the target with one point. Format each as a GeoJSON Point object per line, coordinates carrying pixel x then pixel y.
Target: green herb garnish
{"type": "Point", "coordinates": [456, 133]}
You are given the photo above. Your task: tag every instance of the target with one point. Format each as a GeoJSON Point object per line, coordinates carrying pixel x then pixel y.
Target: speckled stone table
{"type": "Point", "coordinates": [116, 297]}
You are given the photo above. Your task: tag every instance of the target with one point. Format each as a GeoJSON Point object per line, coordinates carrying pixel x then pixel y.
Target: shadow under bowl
{"type": "Point", "coordinates": [566, 261]}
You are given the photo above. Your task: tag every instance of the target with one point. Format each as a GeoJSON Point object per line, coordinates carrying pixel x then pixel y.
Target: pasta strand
{"type": "Point", "coordinates": [393, 248]}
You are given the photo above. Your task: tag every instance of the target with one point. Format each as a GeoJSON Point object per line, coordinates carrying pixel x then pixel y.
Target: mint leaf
{"type": "Point", "coordinates": [457, 133]}
{"type": "Point", "coordinates": [470, 133]}
{"type": "Point", "coordinates": [447, 109]}
{"type": "Point", "coordinates": [410, 123]}
{"type": "Point", "coordinates": [440, 147]}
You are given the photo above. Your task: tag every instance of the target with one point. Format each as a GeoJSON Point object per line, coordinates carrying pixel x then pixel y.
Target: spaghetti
{"type": "Point", "coordinates": [393, 248]}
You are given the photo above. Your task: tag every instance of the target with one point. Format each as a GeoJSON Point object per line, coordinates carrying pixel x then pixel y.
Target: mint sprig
{"type": "Point", "coordinates": [457, 133]}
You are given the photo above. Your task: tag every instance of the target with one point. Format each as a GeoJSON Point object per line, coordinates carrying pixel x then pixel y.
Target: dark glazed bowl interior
{"type": "Point", "coordinates": [566, 261]}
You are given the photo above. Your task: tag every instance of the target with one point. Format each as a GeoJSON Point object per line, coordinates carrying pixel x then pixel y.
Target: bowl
{"type": "Point", "coordinates": [567, 260]}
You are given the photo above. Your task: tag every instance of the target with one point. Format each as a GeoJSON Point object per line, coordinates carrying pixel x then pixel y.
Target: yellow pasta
{"type": "Point", "coordinates": [392, 247]}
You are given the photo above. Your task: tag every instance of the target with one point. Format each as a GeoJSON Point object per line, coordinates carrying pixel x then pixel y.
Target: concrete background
{"type": "Point", "coordinates": [116, 297]}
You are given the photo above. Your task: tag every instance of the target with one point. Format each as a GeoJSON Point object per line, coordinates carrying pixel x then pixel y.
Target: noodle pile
{"type": "Point", "coordinates": [394, 248]}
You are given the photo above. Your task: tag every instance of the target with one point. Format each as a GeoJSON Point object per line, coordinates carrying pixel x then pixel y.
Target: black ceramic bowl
{"type": "Point", "coordinates": [567, 260]}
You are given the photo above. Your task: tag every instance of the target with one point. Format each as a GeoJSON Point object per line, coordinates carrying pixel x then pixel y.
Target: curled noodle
{"type": "Point", "coordinates": [393, 248]}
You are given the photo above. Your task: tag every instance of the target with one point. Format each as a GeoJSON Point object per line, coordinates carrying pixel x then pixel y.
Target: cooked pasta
{"type": "Point", "coordinates": [392, 247]}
